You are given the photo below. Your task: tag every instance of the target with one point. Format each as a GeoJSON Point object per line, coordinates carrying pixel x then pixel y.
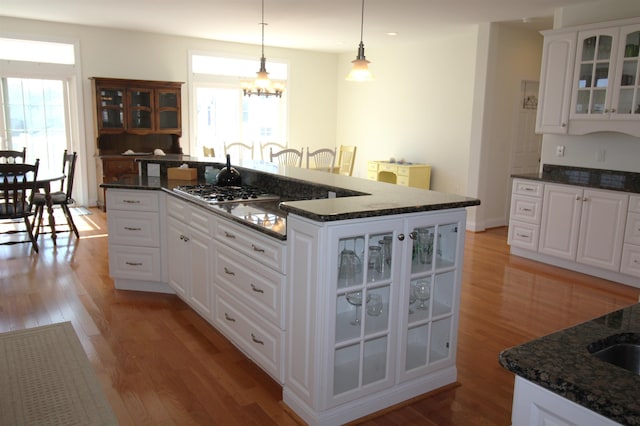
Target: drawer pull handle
{"type": "Point", "coordinates": [131, 201]}
{"type": "Point", "coordinates": [134, 263]}
{"type": "Point", "coordinates": [129, 228]}
{"type": "Point", "coordinates": [522, 235]}
{"type": "Point", "coordinates": [229, 317]}
{"type": "Point", "coordinates": [529, 189]}
{"type": "Point", "coordinates": [228, 235]}
{"type": "Point", "coordinates": [258, 249]}
{"type": "Point", "coordinates": [229, 272]}
{"type": "Point", "coordinates": [253, 337]}
{"type": "Point", "coordinates": [256, 289]}
{"type": "Point", "coordinates": [526, 209]}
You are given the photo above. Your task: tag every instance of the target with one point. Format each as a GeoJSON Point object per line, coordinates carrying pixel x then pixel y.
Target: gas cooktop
{"type": "Point", "coordinates": [214, 194]}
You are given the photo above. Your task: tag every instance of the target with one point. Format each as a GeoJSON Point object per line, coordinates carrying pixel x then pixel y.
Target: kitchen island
{"type": "Point", "coordinates": [353, 308]}
{"type": "Point", "coordinates": [560, 381]}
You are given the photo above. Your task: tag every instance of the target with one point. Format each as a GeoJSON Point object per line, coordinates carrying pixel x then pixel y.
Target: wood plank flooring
{"type": "Point", "coordinates": [161, 364]}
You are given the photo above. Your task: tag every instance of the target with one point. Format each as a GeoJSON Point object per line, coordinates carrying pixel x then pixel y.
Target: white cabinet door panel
{"type": "Point", "coordinates": [602, 228]}
{"type": "Point", "coordinates": [560, 221]}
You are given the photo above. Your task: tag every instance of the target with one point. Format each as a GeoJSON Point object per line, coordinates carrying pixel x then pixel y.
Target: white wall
{"type": "Point", "coordinates": [622, 152]}
{"type": "Point", "coordinates": [311, 89]}
{"type": "Point", "coordinates": [418, 108]}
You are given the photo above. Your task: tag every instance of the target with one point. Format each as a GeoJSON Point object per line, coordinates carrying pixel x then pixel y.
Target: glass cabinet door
{"type": "Point", "coordinates": [627, 101]}
{"type": "Point", "coordinates": [111, 108]}
{"type": "Point", "coordinates": [140, 109]}
{"type": "Point", "coordinates": [168, 110]}
{"type": "Point", "coordinates": [364, 308]}
{"type": "Point", "coordinates": [594, 62]}
{"type": "Point", "coordinates": [430, 297]}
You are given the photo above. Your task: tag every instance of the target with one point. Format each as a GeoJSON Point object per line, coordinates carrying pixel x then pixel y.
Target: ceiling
{"type": "Point", "coordinates": [316, 25]}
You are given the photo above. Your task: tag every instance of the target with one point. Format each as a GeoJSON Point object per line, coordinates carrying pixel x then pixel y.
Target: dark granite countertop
{"type": "Point", "coordinates": [562, 363]}
{"type": "Point", "coordinates": [594, 178]}
{"type": "Point", "coordinates": [304, 192]}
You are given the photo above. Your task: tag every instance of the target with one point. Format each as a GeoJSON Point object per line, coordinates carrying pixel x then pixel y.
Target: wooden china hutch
{"type": "Point", "coordinates": [132, 119]}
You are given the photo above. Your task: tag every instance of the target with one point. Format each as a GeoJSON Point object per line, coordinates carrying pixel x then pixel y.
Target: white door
{"type": "Point", "coordinates": [602, 228]}
{"type": "Point", "coordinates": [561, 209]}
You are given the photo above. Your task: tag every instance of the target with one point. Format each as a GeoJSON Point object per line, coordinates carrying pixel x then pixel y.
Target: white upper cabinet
{"type": "Point", "coordinates": [590, 79]}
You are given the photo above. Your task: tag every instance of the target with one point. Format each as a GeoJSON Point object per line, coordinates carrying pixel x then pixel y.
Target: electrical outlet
{"type": "Point", "coordinates": [560, 151]}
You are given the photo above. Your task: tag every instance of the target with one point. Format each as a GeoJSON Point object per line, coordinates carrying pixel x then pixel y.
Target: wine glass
{"type": "Point", "coordinates": [355, 298]}
{"type": "Point", "coordinates": [423, 292]}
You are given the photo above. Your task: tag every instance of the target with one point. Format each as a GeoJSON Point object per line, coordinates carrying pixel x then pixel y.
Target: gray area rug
{"type": "Point", "coordinates": [47, 379]}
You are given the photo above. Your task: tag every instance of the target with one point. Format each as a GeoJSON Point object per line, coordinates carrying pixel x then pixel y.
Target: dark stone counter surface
{"type": "Point", "coordinates": [304, 192]}
{"type": "Point", "coordinates": [562, 363]}
{"type": "Point", "coordinates": [594, 178]}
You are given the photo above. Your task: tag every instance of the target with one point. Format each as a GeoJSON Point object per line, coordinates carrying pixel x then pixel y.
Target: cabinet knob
{"type": "Point", "coordinates": [578, 198]}
{"type": "Point", "coordinates": [585, 199]}
{"type": "Point", "coordinates": [563, 125]}
{"type": "Point", "coordinates": [401, 236]}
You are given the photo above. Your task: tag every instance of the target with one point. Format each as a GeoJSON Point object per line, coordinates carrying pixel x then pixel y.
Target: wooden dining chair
{"type": "Point", "coordinates": [208, 151]}
{"type": "Point", "coordinates": [238, 150]}
{"type": "Point", "coordinates": [265, 148]}
{"type": "Point", "coordinates": [17, 188]}
{"type": "Point", "coordinates": [346, 159]}
{"type": "Point", "coordinates": [287, 157]}
{"type": "Point", "coordinates": [60, 198]}
{"type": "Point", "coordinates": [13, 157]}
{"type": "Point", "coordinates": [321, 159]}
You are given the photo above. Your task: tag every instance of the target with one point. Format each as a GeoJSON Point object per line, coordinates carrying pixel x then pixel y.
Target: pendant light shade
{"type": "Point", "coordinates": [360, 70]}
{"type": "Point", "coordinates": [262, 85]}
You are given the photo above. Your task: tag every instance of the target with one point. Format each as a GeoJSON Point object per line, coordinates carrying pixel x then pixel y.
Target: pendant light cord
{"type": "Point", "coordinates": [361, 22]}
{"type": "Point", "coordinates": [263, 24]}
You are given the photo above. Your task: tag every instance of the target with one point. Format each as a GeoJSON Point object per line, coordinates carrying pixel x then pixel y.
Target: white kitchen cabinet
{"type": "Point", "coordinates": [556, 82]}
{"type": "Point", "coordinates": [630, 263]}
{"type": "Point", "coordinates": [585, 225]}
{"type": "Point", "coordinates": [534, 405]}
{"type": "Point", "coordinates": [602, 64]}
{"type": "Point", "coordinates": [249, 293]}
{"type": "Point", "coordinates": [372, 312]}
{"type": "Point", "coordinates": [190, 254]}
{"type": "Point", "coordinates": [135, 249]}
{"type": "Point", "coordinates": [525, 214]}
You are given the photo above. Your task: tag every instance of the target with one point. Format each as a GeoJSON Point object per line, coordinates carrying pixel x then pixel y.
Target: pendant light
{"type": "Point", "coordinates": [262, 85]}
{"type": "Point", "coordinates": [360, 70]}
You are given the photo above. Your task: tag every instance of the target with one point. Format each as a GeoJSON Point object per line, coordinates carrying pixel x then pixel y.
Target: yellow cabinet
{"type": "Point", "coordinates": [414, 175]}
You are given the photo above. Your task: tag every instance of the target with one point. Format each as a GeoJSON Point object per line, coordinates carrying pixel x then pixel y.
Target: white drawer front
{"type": "Point", "coordinates": [266, 250]}
{"type": "Point", "coordinates": [263, 343]}
{"type": "Point", "coordinates": [136, 263]}
{"type": "Point", "coordinates": [122, 199]}
{"type": "Point", "coordinates": [634, 203]}
{"type": "Point", "coordinates": [524, 235]}
{"type": "Point", "coordinates": [528, 187]}
{"type": "Point", "coordinates": [630, 264]}
{"type": "Point", "coordinates": [178, 208]}
{"type": "Point", "coordinates": [261, 288]}
{"type": "Point", "coordinates": [402, 180]}
{"type": "Point", "coordinates": [186, 212]}
{"type": "Point", "coordinates": [526, 209]}
{"type": "Point", "coordinates": [134, 228]}
{"type": "Point", "coordinates": [632, 231]}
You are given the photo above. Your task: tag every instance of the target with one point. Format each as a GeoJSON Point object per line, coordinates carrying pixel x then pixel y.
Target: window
{"type": "Point", "coordinates": [223, 114]}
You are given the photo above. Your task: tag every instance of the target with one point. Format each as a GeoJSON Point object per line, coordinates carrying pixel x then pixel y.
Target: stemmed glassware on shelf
{"type": "Point", "coordinates": [355, 298]}
{"type": "Point", "coordinates": [412, 298]}
{"type": "Point", "coordinates": [423, 293]}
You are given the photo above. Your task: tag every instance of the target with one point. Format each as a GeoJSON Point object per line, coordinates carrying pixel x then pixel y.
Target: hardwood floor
{"type": "Point", "coordinates": [161, 364]}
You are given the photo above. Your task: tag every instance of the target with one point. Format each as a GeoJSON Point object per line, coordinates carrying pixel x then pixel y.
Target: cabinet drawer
{"type": "Point", "coordinates": [634, 203]}
{"type": "Point", "coordinates": [402, 180]}
{"type": "Point", "coordinates": [372, 166]}
{"type": "Point", "coordinates": [372, 175]}
{"type": "Point", "coordinates": [253, 244]}
{"type": "Point", "coordinates": [134, 228]}
{"type": "Point", "coordinates": [256, 285]}
{"type": "Point", "coordinates": [528, 187]}
{"type": "Point", "coordinates": [403, 171]}
{"type": "Point", "coordinates": [136, 263]}
{"type": "Point", "coordinates": [186, 212]}
{"type": "Point", "coordinates": [263, 343]}
{"type": "Point", "coordinates": [524, 235]}
{"type": "Point", "coordinates": [630, 264]}
{"type": "Point", "coordinates": [387, 167]}
{"type": "Point", "coordinates": [526, 209]}
{"type": "Point", "coordinates": [632, 231]}
{"type": "Point", "coordinates": [133, 200]}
